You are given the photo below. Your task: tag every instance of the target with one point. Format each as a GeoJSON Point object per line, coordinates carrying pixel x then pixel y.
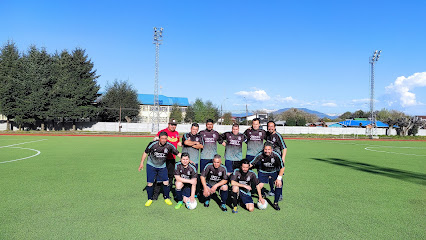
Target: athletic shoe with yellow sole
{"type": "Point", "coordinates": [167, 201]}
{"type": "Point", "coordinates": [148, 203]}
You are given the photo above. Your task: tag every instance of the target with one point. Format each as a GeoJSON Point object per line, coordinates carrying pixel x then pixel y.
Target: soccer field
{"type": "Point", "coordinates": [89, 188]}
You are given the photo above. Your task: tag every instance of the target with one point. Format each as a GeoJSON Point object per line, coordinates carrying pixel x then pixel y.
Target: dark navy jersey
{"type": "Point", "coordinates": [194, 154]}
{"type": "Point", "coordinates": [188, 172]}
{"type": "Point", "coordinates": [157, 153]}
{"type": "Point", "coordinates": [211, 138]}
{"type": "Point", "coordinates": [277, 142]}
{"type": "Point", "coordinates": [248, 178]}
{"type": "Point", "coordinates": [214, 175]}
{"type": "Point", "coordinates": [234, 146]}
{"type": "Point", "coordinates": [255, 140]}
{"type": "Point", "coordinates": [268, 164]}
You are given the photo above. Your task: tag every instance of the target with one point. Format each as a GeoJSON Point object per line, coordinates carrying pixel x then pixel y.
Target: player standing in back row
{"type": "Point", "coordinates": [210, 137]}
{"type": "Point", "coordinates": [276, 140]}
{"type": "Point", "coordinates": [255, 138]}
{"type": "Point", "coordinates": [192, 143]}
{"type": "Point", "coordinates": [233, 148]}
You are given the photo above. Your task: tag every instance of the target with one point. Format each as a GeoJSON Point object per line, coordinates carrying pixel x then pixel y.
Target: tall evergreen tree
{"type": "Point", "coordinates": [76, 88]}
{"type": "Point", "coordinates": [38, 80]}
{"type": "Point", "coordinates": [10, 70]}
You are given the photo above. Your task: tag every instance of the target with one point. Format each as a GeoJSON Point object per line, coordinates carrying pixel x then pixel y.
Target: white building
{"type": "Point", "coordinates": [166, 103]}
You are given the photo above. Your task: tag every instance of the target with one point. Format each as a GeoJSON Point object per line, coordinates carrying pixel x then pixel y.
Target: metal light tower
{"type": "Point", "coordinates": [155, 111]}
{"type": "Point", "coordinates": [373, 130]}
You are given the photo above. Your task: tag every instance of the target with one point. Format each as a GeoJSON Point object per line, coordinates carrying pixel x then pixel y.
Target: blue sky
{"type": "Point", "coordinates": [268, 54]}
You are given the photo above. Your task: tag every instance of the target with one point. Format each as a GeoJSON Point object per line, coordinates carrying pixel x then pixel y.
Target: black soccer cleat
{"type": "Point", "coordinates": [207, 203]}
{"type": "Point", "coordinates": [223, 208]}
{"type": "Point", "coordinates": [276, 206]}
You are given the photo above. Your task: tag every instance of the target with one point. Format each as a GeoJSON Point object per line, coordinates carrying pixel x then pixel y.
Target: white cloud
{"type": "Point", "coordinates": [329, 104]}
{"type": "Point", "coordinates": [403, 87]}
{"type": "Point", "coordinates": [258, 95]}
{"type": "Point", "coordinates": [285, 99]}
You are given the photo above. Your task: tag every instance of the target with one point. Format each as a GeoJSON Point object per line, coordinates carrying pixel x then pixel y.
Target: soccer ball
{"type": "Point", "coordinates": [262, 206]}
{"type": "Point", "coordinates": [191, 205]}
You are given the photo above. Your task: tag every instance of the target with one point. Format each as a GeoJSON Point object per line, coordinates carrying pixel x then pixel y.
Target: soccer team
{"type": "Point", "coordinates": [266, 151]}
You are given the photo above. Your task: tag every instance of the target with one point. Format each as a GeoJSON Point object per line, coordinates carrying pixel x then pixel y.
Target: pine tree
{"type": "Point", "coordinates": [10, 70]}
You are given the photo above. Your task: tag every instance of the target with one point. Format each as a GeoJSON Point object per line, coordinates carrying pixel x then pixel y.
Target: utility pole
{"type": "Point", "coordinates": [155, 110]}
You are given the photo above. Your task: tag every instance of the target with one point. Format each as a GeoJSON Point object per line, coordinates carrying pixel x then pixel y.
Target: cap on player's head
{"type": "Point", "coordinates": [172, 121]}
{"type": "Point", "coordinates": [209, 120]}
{"type": "Point", "coordinates": [163, 133]}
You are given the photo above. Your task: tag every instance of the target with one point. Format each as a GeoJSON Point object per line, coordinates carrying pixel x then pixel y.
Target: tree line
{"type": "Point", "coordinates": [36, 86]}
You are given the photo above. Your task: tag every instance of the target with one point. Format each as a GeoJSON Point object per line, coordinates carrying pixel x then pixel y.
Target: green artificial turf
{"type": "Point", "coordinates": [89, 188]}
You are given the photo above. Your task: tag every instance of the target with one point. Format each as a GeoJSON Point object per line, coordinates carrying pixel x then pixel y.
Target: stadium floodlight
{"type": "Point", "coordinates": [155, 111]}
{"type": "Point", "coordinates": [372, 131]}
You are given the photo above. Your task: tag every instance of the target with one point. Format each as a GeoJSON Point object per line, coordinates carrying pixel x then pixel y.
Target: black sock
{"type": "Point", "coordinates": [150, 191]}
{"type": "Point", "coordinates": [179, 195]}
{"type": "Point", "coordinates": [166, 191]}
{"type": "Point", "coordinates": [234, 199]}
{"type": "Point", "coordinates": [224, 196]}
{"type": "Point", "coordinates": [278, 192]}
{"type": "Point", "coordinates": [271, 185]}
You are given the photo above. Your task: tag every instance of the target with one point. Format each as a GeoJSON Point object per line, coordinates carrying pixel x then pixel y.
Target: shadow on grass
{"type": "Point", "coordinates": [413, 177]}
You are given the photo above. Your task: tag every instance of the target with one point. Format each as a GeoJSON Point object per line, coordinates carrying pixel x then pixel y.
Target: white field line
{"type": "Point", "coordinates": [12, 146]}
{"type": "Point", "coordinates": [37, 153]}
{"type": "Point", "coordinates": [22, 143]}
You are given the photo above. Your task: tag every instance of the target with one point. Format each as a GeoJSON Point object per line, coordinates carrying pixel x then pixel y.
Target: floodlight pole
{"type": "Point", "coordinates": [155, 111]}
{"type": "Point", "coordinates": [373, 122]}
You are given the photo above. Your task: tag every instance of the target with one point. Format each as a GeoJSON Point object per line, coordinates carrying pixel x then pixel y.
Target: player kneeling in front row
{"type": "Point", "coordinates": [186, 182]}
{"type": "Point", "coordinates": [213, 178]}
{"type": "Point", "coordinates": [241, 181]}
{"type": "Point", "coordinates": [156, 170]}
{"type": "Point", "coordinates": [271, 167]}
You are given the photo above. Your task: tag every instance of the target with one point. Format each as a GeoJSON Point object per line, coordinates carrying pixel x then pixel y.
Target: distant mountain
{"type": "Point", "coordinates": [319, 114]}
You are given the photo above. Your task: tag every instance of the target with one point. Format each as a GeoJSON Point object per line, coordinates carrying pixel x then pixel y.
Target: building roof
{"type": "Point", "coordinates": [148, 99]}
{"type": "Point", "coordinates": [242, 115]}
{"type": "Point", "coordinates": [364, 123]}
